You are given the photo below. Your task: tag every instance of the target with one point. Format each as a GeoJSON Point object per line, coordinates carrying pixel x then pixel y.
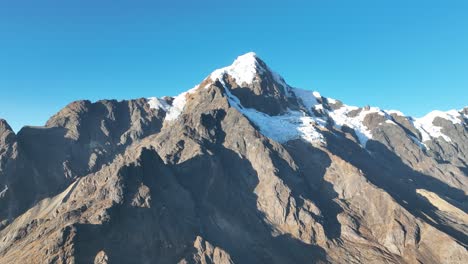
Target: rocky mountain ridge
{"type": "Point", "coordinates": [243, 168]}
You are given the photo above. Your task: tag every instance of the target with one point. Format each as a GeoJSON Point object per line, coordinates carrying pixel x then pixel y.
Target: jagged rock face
{"type": "Point", "coordinates": [7, 136]}
{"type": "Point", "coordinates": [256, 86]}
{"type": "Point", "coordinates": [76, 141]}
{"type": "Point", "coordinates": [241, 169]}
{"type": "Point", "coordinates": [8, 160]}
{"type": "Point", "coordinates": [7, 144]}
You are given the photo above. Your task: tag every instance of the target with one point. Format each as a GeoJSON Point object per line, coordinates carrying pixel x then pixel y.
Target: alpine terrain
{"type": "Point", "coordinates": [243, 168]}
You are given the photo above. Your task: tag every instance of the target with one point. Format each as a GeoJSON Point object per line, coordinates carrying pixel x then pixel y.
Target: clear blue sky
{"type": "Point", "coordinates": [406, 55]}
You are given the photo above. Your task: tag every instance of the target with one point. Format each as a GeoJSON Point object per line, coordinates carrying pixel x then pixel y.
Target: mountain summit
{"type": "Point", "coordinates": [243, 168]}
{"type": "Point", "coordinates": [245, 69]}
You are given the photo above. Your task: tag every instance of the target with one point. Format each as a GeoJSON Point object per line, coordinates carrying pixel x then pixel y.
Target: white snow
{"type": "Point", "coordinates": [428, 130]}
{"type": "Point", "coordinates": [417, 142]}
{"type": "Point", "coordinates": [396, 112]}
{"type": "Point", "coordinates": [281, 81]}
{"type": "Point", "coordinates": [172, 111]}
{"type": "Point", "coordinates": [461, 112]}
{"type": "Point", "coordinates": [243, 70]}
{"type": "Point", "coordinates": [316, 94]}
{"type": "Point", "coordinates": [281, 128]}
{"type": "Point", "coordinates": [178, 104]}
{"type": "Point", "coordinates": [308, 98]}
{"type": "Point", "coordinates": [207, 85]}
{"type": "Point", "coordinates": [3, 192]}
{"type": "Point", "coordinates": [158, 103]}
{"type": "Point", "coordinates": [301, 124]}
{"type": "Point", "coordinates": [341, 118]}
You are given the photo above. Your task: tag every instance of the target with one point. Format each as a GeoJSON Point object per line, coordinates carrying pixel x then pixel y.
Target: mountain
{"type": "Point", "coordinates": [243, 168]}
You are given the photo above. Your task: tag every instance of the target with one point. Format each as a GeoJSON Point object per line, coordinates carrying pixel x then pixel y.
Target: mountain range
{"type": "Point", "coordinates": [242, 168]}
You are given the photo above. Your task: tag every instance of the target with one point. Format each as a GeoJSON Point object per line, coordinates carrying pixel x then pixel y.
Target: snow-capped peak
{"type": "Point", "coordinates": [249, 57]}
{"type": "Point", "coordinates": [249, 69]}
{"type": "Point", "coordinates": [246, 68]}
{"type": "Point", "coordinates": [243, 69]}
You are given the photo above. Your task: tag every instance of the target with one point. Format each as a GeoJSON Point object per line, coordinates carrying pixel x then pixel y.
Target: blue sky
{"type": "Point", "coordinates": [406, 55]}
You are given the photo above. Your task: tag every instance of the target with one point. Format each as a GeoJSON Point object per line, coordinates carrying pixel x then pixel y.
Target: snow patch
{"type": "Point", "coordinates": [451, 115]}
{"type": "Point", "coordinates": [319, 107]}
{"type": "Point", "coordinates": [341, 118]}
{"type": "Point", "coordinates": [419, 143]}
{"type": "Point", "coordinates": [278, 79]}
{"type": "Point", "coordinates": [158, 103]}
{"type": "Point", "coordinates": [281, 128]}
{"type": "Point", "coordinates": [396, 112]}
{"type": "Point", "coordinates": [428, 130]}
{"type": "Point", "coordinates": [3, 192]}
{"type": "Point", "coordinates": [178, 104]}
{"type": "Point", "coordinates": [308, 98]}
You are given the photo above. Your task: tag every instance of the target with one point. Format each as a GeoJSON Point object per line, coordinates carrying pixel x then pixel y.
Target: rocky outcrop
{"type": "Point", "coordinates": [256, 85]}
{"type": "Point", "coordinates": [9, 159]}
{"type": "Point", "coordinates": [76, 141]}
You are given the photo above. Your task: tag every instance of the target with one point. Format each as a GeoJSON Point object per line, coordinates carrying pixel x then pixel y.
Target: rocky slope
{"type": "Point", "coordinates": [243, 168]}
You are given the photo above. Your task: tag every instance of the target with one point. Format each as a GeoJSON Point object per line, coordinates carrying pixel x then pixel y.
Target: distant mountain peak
{"type": "Point", "coordinates": [247, 69]}
{"type": "Point", "coordinates": [244, 69]}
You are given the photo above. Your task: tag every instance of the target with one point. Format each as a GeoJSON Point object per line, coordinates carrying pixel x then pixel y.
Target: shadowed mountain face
{"type": "Point", "coordinates": [241, 169]}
